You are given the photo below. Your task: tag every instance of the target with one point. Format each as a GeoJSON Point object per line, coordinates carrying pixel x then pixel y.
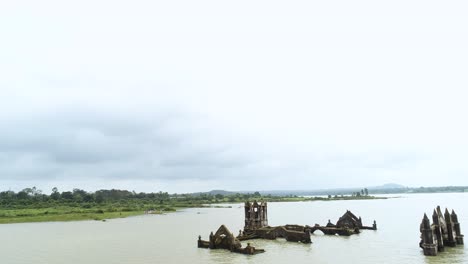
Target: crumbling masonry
{"type": "Point", "coordinates": [445, 231]}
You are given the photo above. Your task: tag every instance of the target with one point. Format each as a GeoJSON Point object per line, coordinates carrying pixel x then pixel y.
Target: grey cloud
{"type": "Point", "coordinates": [96, 146]}
{"type": "Point", "coordinates": [104, 145]}
{"type": "Point", "coordinates": [377, 159]}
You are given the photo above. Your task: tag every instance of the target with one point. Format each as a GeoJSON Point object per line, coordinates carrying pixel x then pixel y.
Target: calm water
{"type": "Point", "coordinates": [172, 238]}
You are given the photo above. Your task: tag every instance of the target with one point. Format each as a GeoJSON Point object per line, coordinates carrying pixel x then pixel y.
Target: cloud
{"type": "Point", "coordinates": [87, 140]}
{"type": "Point", "coordinates": [108, 147]}
{"type": "Point", "coordinates": [214, 95]}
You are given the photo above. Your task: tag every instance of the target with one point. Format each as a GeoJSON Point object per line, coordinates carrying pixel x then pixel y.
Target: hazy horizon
{"type": "Point", "coordinates": [187, 96]}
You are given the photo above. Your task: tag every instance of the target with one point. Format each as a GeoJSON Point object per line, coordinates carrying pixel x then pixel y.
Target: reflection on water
{"type": "Point", "coordinates": [172, 238]}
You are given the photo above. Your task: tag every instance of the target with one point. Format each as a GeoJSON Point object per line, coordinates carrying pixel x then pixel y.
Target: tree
{"type": "Point", "coordinates": [22, 195]}
{"type": "Point", "coordinates": [55, 194]}
{"type": "Point", "coordinates": [366, 192]}
{"type": "Point", "coordinates": [67, 195]}
{"type": "Point", "coordinates": [78, 195]}
{"type": "Point", "coordinates": [28, 191]}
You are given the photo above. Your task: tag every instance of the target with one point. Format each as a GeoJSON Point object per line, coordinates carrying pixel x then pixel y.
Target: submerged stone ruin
{"type": "Point", "coordinates": [347, 225]}
{"type": "Point", "coordinates": [445, 231]}
{"type": "Point", "coordinates": [256, 226]}
{"type": "Point", "coordinates": [224, 239]}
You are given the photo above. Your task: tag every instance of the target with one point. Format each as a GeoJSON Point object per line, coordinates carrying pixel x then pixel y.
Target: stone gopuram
{"type": "Point", "coordinates": [445, 231]}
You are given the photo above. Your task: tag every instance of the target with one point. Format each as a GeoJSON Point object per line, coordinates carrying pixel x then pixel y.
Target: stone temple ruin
{"type": "Point", "coordinates": [256, 227]}
{"type": "Point", "coordinates": [256, 215]}
{"type": "Point", "coordinates": [224, 239]}
{"type": "Point", "coordinates": [347, 225]}
{"type": "Point", "coordinates": [445, 231]}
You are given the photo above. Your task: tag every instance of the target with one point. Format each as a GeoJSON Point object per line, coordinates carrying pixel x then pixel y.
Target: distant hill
{"type": "Point", "coordinates": [387, 186]}
{"type": "Point", "coordinates": [213, 192]}
{"type": "Point", "coordinates": [223, 192]}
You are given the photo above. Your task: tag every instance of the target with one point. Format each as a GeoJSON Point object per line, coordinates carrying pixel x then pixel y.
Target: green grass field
{"type": "Point", "coordinates": [62, 214]}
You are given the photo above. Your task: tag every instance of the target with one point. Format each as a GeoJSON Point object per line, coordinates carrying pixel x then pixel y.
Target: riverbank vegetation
{"type": "Point", "coordinates": [32, 205]}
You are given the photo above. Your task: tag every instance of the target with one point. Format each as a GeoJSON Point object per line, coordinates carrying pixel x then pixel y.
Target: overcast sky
{"type": "Point", "coordinates": [185, 96]}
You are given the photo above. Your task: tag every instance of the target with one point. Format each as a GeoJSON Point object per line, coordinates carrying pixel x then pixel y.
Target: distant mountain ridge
{"type": "Point", "coordinates": [388, 188]}
{"type": "Point", "coordinates": [215, 192]}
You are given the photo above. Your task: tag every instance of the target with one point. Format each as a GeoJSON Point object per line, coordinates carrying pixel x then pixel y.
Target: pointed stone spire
{"type": "Point", "coordinates": [457, 229]}
{"type": "Point", "coordinates": [425, 222]}
{"type": "Point", "coordinates": [435, 217]}
{"type": "Point", "coordinates": [437, 231]}
{"type": "Point", "coordinates": [439, 211]}
{"type": "Point", "coordinates": [454, 217]}
{"type": "Point", "coordinates": [427, 240]}
{"type": "Point", "coordinates": [448, 218]}
{"type": "Point", "coordinates": [450, 232]}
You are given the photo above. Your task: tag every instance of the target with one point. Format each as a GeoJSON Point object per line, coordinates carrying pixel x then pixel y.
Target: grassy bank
{"type": "Point", "coordinates": [64, 214]}
{"type": "Point", "coordinates": [67, 213]}
{"type": "Point", "coordinates": [30, 205]}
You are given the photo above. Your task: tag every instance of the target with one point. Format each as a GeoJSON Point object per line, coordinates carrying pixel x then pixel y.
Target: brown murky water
{"type": "Point", "coordinates": [172, 238]}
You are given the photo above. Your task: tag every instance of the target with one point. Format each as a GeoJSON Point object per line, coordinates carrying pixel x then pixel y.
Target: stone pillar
{"type": "Point", "coordinates": [247, 214]}
{"type": "Point", "coordinates": [450, 234]}
{"type": "Point", "coordinates": [264, 214]}
{"type": "Point", "coordinates": [427, 240]}
{"type": "Point", "coordinates": [212, 244]}
{"type": "Point", "coordinates": [456, 227]}
{"type": "Point", "coordinates": [260, 215]}
{"type": "Point", "coordinates": [437, 231]}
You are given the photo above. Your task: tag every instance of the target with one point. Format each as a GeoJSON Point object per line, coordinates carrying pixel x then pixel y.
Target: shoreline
{"type": "Point", "coordinates": [69, 214]}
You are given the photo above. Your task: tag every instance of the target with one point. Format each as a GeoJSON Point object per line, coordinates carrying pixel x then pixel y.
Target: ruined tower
{"type": "Point", "coordinates": [427, 240]}
{"type": "Point", "coordinates": [256, 215]}
{"type": "Point", "coordinates": [456, 226]}
{"type": "Point", "coordinates": [445, 231]}
{"type": "Point", "coordinates": [450, 241]}
{"type": "Point", "coordinates": [437, 230]}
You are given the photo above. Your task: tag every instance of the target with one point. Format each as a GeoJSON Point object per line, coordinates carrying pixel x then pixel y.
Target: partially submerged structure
{"type": "Point", "coordinates": [347, 225]}
{"type": "Point", "coordinates": [256, 226]}
{"type": "Point", "coordinates": [256, 215]}
{"type": "Point", "coordinates": [224, 239]}
{"type": "Point", "coordinates": [445, 231]}
{"type": "Point", "coordinates": [292, 233]}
